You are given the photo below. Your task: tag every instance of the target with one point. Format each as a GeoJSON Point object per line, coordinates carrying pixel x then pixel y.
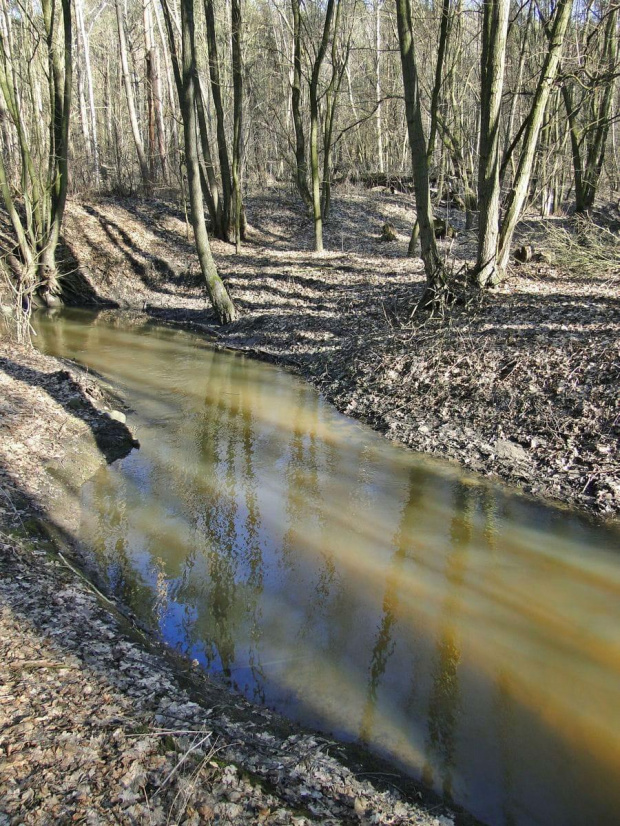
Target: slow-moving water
{"type": "Point", "coordinates": [471, 636]}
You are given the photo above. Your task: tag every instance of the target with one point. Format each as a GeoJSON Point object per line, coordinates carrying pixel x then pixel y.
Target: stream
{"type": "Point", "coordinates": [468, 634]}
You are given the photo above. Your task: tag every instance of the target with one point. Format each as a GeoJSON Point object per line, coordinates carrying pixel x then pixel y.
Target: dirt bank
{"type": "Point", "coordinates": [520, 384]}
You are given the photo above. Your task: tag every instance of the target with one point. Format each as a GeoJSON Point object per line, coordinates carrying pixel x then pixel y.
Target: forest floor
{"type": "Point", "coordinates": [100, 725]}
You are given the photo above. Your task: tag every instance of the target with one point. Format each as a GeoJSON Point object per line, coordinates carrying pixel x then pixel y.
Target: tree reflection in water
{"type": "Point", "coordinates": [321, 570]}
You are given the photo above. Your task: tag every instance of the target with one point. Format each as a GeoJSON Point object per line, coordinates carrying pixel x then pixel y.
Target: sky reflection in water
{"type": "Point", "coordinates": [472, 636]}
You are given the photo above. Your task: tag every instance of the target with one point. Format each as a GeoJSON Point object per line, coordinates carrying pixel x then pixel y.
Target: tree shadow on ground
{"type": "Point", "coordinates": [113, 438]}
{"type": "Point", "coordinates": [155, 272]}
{"type": "Point", "coordinates": [348, 229]}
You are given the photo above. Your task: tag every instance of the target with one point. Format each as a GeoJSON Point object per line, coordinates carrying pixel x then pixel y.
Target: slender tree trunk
{"type": "Point", "coordinates": [216, 91]}
{"type": "Point", "coordinates": [314, 171]}
{"type": "Point", "coordinates": [575, 145]}
{"type": "Point", "coordinates": [237, 69]}
{"type": "Point", "coordinates": [149, 59]}
{"type": "Point", "coordinates": [435, 276]}
{"type": "Point", "coordinates": [518, 192]}
{"type": "Point", "coordinates": [601, 112]}
{"type": "Point", "coordinates": [211, 186]}
{"type": "Point", "coordinates": [317, 213]}
{"type": "Point", "coordinates": [94, 142]}
{"type": "Point", "coordinates": [159, 114]}
{"type": "Point", "coordinates": [444, 34]}
{"type": "Point", "coordinates": [170, 90]}
{"type": "Point", "coordinates": [331, 95]}
{"type": "Point", "coordinates": [517, 88]}
{"type": "Point", "coordinates": [217, 291]}
{"type": "Point", "coordinates": [61, 78]}
{"type": "Point", "coordinates": [378, 113]}
{"type": "Point", "coordinates": [131, 105]}
{"type": "Point", "coordinates": [82, 98]}
{"type": "Point", "coordinates": [494, 32]}
{"type": "Point", "coordinates": [107, 105]}
{"type": "Point", "coordinates": [301, 166]}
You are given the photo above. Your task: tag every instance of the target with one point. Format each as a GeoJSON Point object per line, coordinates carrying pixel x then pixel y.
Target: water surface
{"type": "Point", "coordinates": [470, 635]}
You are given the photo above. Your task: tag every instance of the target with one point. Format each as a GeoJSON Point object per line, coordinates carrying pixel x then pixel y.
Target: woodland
{"type": "Point", "coordinates": [489, 108]}
{"type": "Point", "coordinates": [414, 205]}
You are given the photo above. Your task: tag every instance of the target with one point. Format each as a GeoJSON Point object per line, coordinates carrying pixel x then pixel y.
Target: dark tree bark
{"type": "Point", "coordinates": [597, 103]}
{"type": "Point", "coordinates": [518, 192]}
{"type": "Point", "coordinates": [444, 34]}
{"type": "Point", "coordinates": [61, 77]}
{"type": "Point", "coordinates": [185, 75]}
{"type": "Point", "coordinates": [216, 91]}
{"type": "Point", "coordinates": [301, 165]}
{"type": "Point", "coordinates": [210, 185]}
{"type": "Point", "coordinates": [237, 69]}
{"type": "Point", "coordinates": [433, 268]}
{"type": "Point", "coordinates": [317, 212]}
{"type": "Point", "coordinates": [494, 33]}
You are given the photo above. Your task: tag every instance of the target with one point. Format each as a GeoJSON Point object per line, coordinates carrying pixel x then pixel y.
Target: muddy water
{"type": "Point", "coordinates": [470, 635]}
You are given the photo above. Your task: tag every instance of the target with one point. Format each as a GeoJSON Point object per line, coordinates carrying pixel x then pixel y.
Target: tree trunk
{"type": "Point", "coordinates": [216, 91]}
{"type": "Point", "coordinates": [315, 172]}
{"type": "Point", "coordinates": [518, 192]}
{"type": "Point", "coordinates": [82, 99]}
{"type": "Point", "coordinates": [378, 122]}
{"type": "Point", "coordinates": [61, 77]}
{"type": "Point", "coordinates": [601, 115]}
{"type": "Point", "coordinates": [237, 69]}
{"type": "Point", "coordinates": [131, 105]}
{"type": "Point", "coordinates": [149, 59]}
{"type": "Point", "coordinates": [435, 276]}
{"type": "Point", "coordinates": [211, 187]}
{"type": "Point", "coordinates": [94, 142]}
{"type": "Point", "coordinates": [575, 145]}
{"type": "Point", "coordinates": [331, 95]}
{"type": "Point", "coordinates": [494, 32]}
{"type": "Point", "coordinates": [217, 291]}
{"type": "Point", "coordinates": [444, 34]}
{"type": "Point", "coordinates": [170, 90]}
{"type": "Point", "coordinates": [301, 167]}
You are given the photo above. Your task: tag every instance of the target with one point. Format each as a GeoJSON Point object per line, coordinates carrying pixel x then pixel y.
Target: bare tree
{"type": "Point", "coordinates": [333, 6]}
{"type": "Point", "coordinates": [588, 111]}
{"type": "Point", "coordinates": [83, 38]}
{"type": "Point", "coordinates": [186, 77]}
{"type": "Point", "coordinates": [433, 268]}
{"type": "Point", "coordinates": [518, 192]}
{"type": "Point", "coordinates": [43, 182]}
{"type": "Point", "coordinates": [145, 171]}
{"type": "Point", "coordinates": [301, 166]}
{"type": "Point", "coordinates": [237, 70]}
{"type": "Point", "coordinates": [494, 32]}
